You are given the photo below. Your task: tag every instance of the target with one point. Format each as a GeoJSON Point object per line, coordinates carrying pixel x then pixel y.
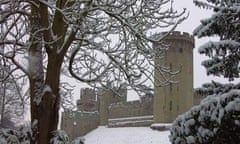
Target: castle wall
{"type": "Point", "coordinates": [108, 97]}
{"type": "Point", "coordinates": [130, 109]}
{"type": "Point", "coordinates": [77, 123]}
{"type": "Point", "coordinates": [103, 106]}
{"type": "Point", "coordinates": [88, 100]}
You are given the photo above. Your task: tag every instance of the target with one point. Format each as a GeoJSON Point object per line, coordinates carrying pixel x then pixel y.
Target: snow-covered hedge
{"type": "Point", "coordinates": [9, 136]}
{"type": "Point", "coordinates": [215, 121]}
{"type": "Point", "coordinates": [22, 136]}
{"type": "Point", "coordinates": [60, 137]}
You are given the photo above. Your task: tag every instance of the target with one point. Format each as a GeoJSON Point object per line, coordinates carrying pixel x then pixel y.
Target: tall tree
{"type": "Point", "coordinates": [217, 119]}
{"type": "Point", "coordinates": [100, 41]}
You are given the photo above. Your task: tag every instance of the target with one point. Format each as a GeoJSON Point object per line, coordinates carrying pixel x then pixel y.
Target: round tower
{"type": "Point", "coordinates": [174, 98]}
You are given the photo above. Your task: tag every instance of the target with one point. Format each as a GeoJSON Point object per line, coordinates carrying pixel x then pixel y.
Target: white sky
{"type": "Point", "coordinates": [196, 14]}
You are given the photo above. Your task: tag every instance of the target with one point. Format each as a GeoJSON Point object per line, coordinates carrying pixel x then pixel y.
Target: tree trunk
{"type": "Point", "coordinates": [36, 72]}
{"type": "Point", "coordinates": [44, 92]}
{"type": "Point", "coordinates": [48, 118]}
{"type": "Point", "coordinates": [44, 111]}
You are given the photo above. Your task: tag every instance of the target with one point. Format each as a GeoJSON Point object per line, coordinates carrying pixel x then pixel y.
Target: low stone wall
{"type": "Point", "coordinates": [78, 123]}
{"type": "Point", "coordinates": [131, 121]}
{"type": "Point", "coordinates": [130, 109]}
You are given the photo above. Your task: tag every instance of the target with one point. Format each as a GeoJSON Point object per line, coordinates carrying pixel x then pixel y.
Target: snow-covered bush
{"type": "Point", "coordinates": [23, 136]}
{"type": "Point", "coordinates": [9, 136]}
{"type": "Point", "coordinates": [215, 121]}
{"type": "Point", "coordinates": [60, 137]}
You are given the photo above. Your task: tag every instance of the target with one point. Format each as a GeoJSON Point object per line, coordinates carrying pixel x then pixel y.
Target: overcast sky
{"type": "Point", "coordinates": [196, 14]}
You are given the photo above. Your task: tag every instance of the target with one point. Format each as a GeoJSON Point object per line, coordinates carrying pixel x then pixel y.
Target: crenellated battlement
{"type": "Point", "coordinates": [177, 35]}
{"type": "Point", "coordinates": [173, 37]}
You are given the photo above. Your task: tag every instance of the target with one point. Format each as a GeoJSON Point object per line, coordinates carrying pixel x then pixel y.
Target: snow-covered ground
{"type": "Point", "coordinates": [126, 135]}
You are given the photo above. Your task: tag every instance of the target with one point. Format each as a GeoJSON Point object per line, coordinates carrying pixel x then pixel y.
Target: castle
{"type": "Point", "coordinates": [103, 107]}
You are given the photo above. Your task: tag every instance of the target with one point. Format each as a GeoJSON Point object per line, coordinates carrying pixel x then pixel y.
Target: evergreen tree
{"type": "Point", "coordinates": [217, 119]}
{"type": "Point", "coordinates": [224, 54]}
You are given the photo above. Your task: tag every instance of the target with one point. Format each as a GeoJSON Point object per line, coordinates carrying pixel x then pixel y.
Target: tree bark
{"type": "Point", "coordinates": [44, 111]}
{"type": "Point", "coordinates": [44, 88]}
{"type": "Point", "coordinates": [36, 72]}
{"type": "Point", "coordinates": [45, 114]}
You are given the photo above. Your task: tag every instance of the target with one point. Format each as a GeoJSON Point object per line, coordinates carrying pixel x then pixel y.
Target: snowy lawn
{"type": "Point", "coordinates": [127, 135]}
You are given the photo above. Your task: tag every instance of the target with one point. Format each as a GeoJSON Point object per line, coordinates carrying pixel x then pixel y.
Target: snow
{"type": "Point", "coordinates": [126, 135]}
{"type": "Point", "coordinates": [35, 70]}
{"type": "Point", "coordinates": [47, 89]}
{"type": "Point", "coordinates": [191, 139]}
{"type": "Point", "coordinates": [219, 45]}
{"type": "Point", "coordinates": [34, 123]}
{"type": "Point", "coordinates": [161, 124]}
{"type": "Point", "coordinates": [34, 64]}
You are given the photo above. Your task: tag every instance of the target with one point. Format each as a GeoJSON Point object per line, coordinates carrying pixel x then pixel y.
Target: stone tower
{"type": "Point", "coordinates": [174, 99]}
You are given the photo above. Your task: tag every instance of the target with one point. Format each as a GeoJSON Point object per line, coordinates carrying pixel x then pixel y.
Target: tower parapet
{"type": "Point", "coordinates": [179, 36]}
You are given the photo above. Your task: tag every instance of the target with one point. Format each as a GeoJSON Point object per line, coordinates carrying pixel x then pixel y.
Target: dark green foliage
{"type": "Point", "coordinates": [224, 55]}
{"type": "Point", "coordinates": [215, 121]}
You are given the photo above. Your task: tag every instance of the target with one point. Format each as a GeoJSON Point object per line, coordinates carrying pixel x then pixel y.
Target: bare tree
{"type": "Point", "coordinates": [12, 98]}
{"type": "Point", "coordinates": [100, 41]}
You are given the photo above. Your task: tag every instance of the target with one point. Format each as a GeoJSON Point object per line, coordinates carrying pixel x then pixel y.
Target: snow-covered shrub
{"type": "Point", "coordinates": [23, 136]}
{"type": "Point", "coordinates": [9, 136]}
{"type": "Point", "coordinates": [59, 137]}
{"type": "Point", "coordinates": [215, 121]}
